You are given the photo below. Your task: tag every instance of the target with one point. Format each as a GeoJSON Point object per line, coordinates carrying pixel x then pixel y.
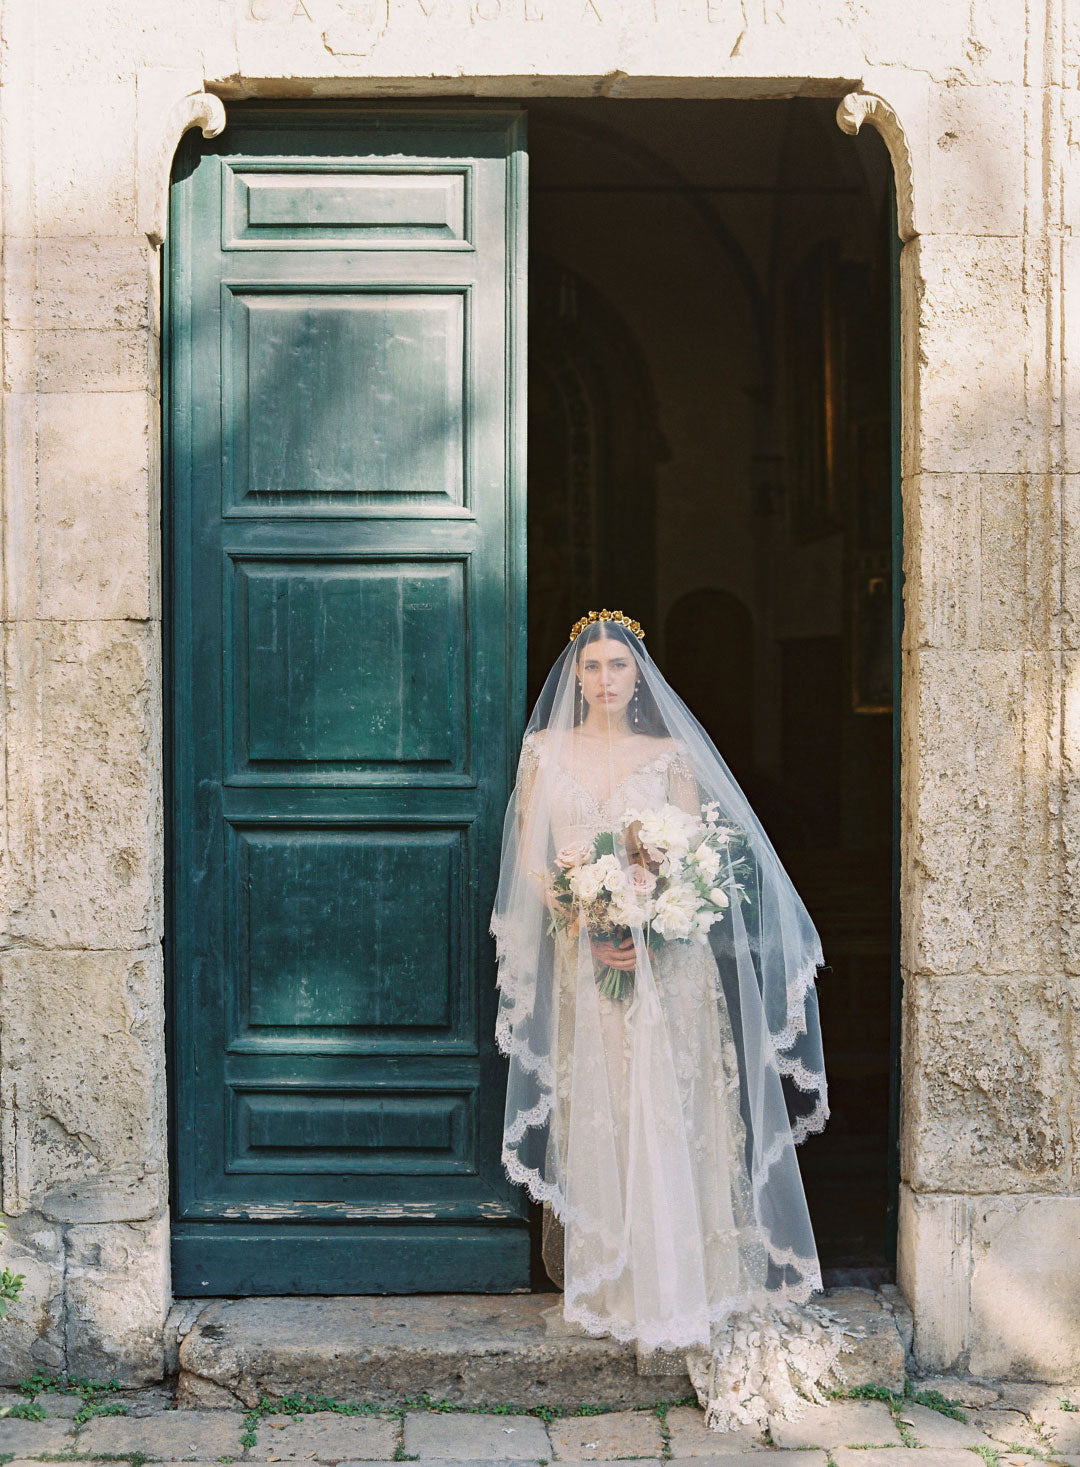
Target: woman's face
{"type": "Point", "coordinates": [607, 672]}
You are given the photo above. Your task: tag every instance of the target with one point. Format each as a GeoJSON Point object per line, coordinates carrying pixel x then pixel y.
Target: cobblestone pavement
{"type": "Point", "coordinates": [1007, 1424]}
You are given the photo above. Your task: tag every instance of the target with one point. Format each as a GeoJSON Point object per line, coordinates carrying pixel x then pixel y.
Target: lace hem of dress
{"type": "Point", "coordinates": [769, 1363]}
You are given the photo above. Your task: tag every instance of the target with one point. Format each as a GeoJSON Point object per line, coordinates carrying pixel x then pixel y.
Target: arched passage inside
{"type": "Point", "coordinates": [710, 416]}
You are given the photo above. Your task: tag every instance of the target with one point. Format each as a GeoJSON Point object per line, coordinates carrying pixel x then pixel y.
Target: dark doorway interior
{"type": "Point", "coordinates": [709, 411]}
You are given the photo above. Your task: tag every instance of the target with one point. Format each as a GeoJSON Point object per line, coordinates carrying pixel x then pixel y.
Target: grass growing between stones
{"type": "Point", "coordinates": [933, 1400]}
{"type": "Point", "coordinates": [24, 1411]}
{"type": "Point", "coordinates": [297, 1406]}
{"type": "Point", "coordinates": [134, 1459]}
{"type": "Point", "coordinates": [97, 1395]}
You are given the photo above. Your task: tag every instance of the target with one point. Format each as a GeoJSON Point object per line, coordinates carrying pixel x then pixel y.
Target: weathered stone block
{"type": "Point", "coordinates": [1025, 1288]}
{"type": "Point", "coordinates": [902, 1457]}
{"type": "Point", "coordinates": [958, 1388]}
{"type": "Point", "coordinates": [1070, 368]}
{"type": "Point", "coordinates": [876, 1355]}
{"type": "Point", "coordinates": [84, 1059]}
{"type": "Point", "coordinates": [172, 1435]}
{"type": "Point", "coordinates": [1071, 1087]}
{"type": "Point", "coordinates": [721, 1457]}
{"type": "Point", "coordinates": [1061, 1428]}
{"type": "Point", "coordinates": [932, 1429]}
{"type": "Point", "coordinates": [84, 761]}
{"type": "Point", "coordinates": [975, 178]}
{"type": "Point", "coordinates": [98, 284]}
{"type": "Point", "coordinates": [977, 837]}
{"type": "Point", "coordinates": [85, 173]}
{"type": "Point", "coordinates": [468, 1349]}
{"type": "Point", "coordinates": [1005, 1428]}
{"type": "Point", "coordinates": [982, 400]}
{"type": "Point", "coordinates": [1070, 811]}
{"type": "Point", "coordinates": [615, 1434]}
{"type": "Point", "coordinates": [327, 1438]}
{"type": "Point", "coordinates": [983, 1102]}
{"type": "Point", "coordinates": [840, 1424]}
{"type": "Point", "coordinates": [117, 1293]}
{"type": "Point", "coordinates": [81, 361]}
{"type": "Point", "coordinates": [60, 1403]}
{"type": "Point", "coordinates": [933, 1268]}
{"type": "Point", "coordinates": [456, 1437]}
{"type": "Point", "coordinates": [32, 1336]}
{"type": "Point", "coordinates": [691, 1438]}
{"type": "Point", "coordinates": [108, 43]}
{"type": "Point", "coordinates": [36, 1438]}
{"type": "Point", "coordinates": [95, 457]}
{"type": "Point", "coordinates": [981, 560]}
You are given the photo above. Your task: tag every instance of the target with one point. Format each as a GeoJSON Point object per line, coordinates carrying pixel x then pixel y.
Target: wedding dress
{"type": "Point", "coordinates": [656, 980]}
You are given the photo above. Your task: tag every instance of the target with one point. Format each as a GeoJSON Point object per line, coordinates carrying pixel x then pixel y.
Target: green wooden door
{"type": "Point", "coordinates": [345, 556]}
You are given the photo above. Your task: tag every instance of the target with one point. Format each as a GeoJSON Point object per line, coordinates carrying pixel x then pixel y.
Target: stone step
{"type": "Point", "coordinates": [471, 1349]}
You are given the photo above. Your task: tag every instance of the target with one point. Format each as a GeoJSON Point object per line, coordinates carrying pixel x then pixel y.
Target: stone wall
{"type": "Point", "coordinates": [980, 110]}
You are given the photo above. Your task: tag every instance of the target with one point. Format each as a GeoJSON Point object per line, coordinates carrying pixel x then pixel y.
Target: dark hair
{"type": "Point", "coordinates": [645, 718]}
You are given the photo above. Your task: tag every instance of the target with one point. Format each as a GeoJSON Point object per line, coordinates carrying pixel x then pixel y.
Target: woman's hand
{"type": "Point", "coordinates": [615, 955]}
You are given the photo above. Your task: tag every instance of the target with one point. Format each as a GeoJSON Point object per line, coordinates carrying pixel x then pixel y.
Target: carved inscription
{"type": "Point", "coordinates": [351, 27]}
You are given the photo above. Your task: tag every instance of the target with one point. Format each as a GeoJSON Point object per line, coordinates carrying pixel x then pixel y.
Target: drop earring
{"type": "Point", "coordinates": [635, 716]}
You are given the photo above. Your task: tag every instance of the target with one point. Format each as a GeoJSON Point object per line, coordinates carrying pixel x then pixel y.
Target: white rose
{"type": "Point", "coordinates": [612, 874]}
{"type": "Point", "coordinates": [668, 831]}
{"type": "Point", "coordinates": [702, 922]}
{"type": "Point", "coordinates": [586, 881]}
{"type": "Point", "coordinates": [719, 896]}
{"type": "Point", "coordinates": [626, 911]}
{"type": "Point", "coordinates": [707, 861]}
{"type": "Point", "coordinates": [675, 912]}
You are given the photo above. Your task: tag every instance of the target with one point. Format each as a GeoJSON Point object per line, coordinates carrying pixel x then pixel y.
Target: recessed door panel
{"type": "Point", "coordinates": [350, 928]}
{"type": "Point", "coordinates": [332, 203]}
{"type": "Point", "coordinates": [358, 393]}
{"type": "Point", "coordinates": [350, 662]}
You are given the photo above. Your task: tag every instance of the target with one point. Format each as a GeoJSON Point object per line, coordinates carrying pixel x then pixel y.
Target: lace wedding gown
{"type": "Point", "coordinates": [665, 1248]}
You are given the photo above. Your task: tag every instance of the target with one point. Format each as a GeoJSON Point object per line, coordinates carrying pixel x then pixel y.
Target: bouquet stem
{"type": "Point", "coordinates": [615, 983]}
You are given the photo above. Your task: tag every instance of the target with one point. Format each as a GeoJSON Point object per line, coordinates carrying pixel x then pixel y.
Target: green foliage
{"type": "Point", "coordinates": [95, 1395]}
{"type": "Point", "coordinates": [933, 1400]}
{"type": "Point", "coordinates": [936, 1402]}
{"type": "Point", "coordinates": [10, 1288]}
{"type": "Point", "coordinates": [1064, 1404]}
{"type": "Point", "coordinates": [94, 1406]}
{"type": "Point", "coordinates": [305, 1405]}
{"type": "Point", "coordinates": [10, 1285]}
{"type": "Point", "coordinates": [25, 1411]}
{"type": "Point", "coordinates": [989, 1455]}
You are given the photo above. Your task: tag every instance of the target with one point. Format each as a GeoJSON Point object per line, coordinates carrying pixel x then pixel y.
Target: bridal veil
{"type": "Point", "coordinates": [657, 1008]}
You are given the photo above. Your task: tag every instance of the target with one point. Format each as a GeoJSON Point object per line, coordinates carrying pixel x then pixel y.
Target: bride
{"type": "Point", "coordinates": [656, 977]}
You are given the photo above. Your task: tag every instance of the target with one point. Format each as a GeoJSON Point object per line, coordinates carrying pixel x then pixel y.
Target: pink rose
{"type": "Point", "coordinates": [572, 856]}
{"type": "Point", "coordinates": [641, 879]}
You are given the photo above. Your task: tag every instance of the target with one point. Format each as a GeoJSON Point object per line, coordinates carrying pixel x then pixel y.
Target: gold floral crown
{"type": "Point", "coordinates": [605, 615]}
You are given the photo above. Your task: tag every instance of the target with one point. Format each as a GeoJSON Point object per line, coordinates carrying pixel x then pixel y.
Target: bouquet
{"type": "Point", "coordinates": [670, 884]}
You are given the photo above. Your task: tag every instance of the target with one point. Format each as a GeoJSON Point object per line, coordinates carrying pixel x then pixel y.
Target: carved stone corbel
{"type": "Point", "coordinates": [859, 107]}
{"type": "Point", "coordinates": [198, 109]}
